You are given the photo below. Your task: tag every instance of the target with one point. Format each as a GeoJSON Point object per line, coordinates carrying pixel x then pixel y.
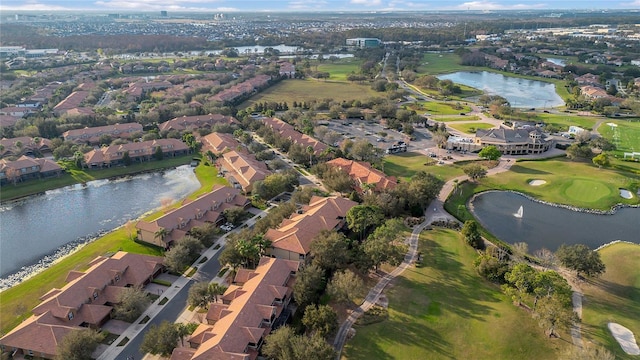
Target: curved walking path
{"type": "Point", "coordinates": [438, 213]}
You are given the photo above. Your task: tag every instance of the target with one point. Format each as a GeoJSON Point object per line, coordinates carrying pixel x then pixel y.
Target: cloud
{"type": "Point", "coordinates": [31, 5]}
{"type": "Point", "coordinates": [308, 5]}
{"type": "Point", "coordinates": [489, 5]}
{"type": "Point", "coordinates": [159, 5]}
{"type": "Point", "coordinates": [635, 3]}
{"type": "Point", "coordinates": [366, 2]}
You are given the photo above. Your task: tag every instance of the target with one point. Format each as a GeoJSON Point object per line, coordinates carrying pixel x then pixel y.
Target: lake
{"type": "Point", "coordinates": [521, 93]}
{"type": "Point", "coordinates": [545, 226]}
{"type": "Point", "coordinates": [34, 228]}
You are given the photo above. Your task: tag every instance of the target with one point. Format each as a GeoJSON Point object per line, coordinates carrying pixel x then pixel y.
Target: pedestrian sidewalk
{"type": "Point", "coordinates": [155, 308]}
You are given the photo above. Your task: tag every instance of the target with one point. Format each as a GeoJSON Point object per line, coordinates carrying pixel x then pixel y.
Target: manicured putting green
{"type": "Point", "coordinates": [587, 190]}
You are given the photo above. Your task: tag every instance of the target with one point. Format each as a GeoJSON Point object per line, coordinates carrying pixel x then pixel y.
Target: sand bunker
{"type": "Point", "coordinates": [625, 338]}
{"type": "Point", "coordinates": [537, 182]}
{"type": "Point", "coordinates": [626, 194]}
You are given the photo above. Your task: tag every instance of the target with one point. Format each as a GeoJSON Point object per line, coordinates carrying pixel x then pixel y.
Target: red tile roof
{"type": "Point", "coordinates": [363, 173]}
{"type": "Point", "coordinates": [289, 132]}
{"type": "Point", "coordinates": [85, 296]}
{"type": "Point", "coordinates": [242, 325]}
{"type": "Point", "coordinates": [196, 122]}
{"type": "Point", "coordinates": [296, 233]}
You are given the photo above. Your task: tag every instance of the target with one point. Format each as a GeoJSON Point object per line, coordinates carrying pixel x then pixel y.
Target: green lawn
{"type": "Point", "coordinates": [444, 310]}
{"type": "Point", "coordinates": [17, 302]}
{"type": "Point", "coordinates": [626, 135]}
{"type": "Point", "coordinates": [310, 89]}
{"type": "Point", "coordinates": [341, 69]}
{"type": "Point", "coordinates": [433, 64]}
{"type": "Point", "coordinates": [471, 128]}
{"type": "Point", "coordinates": [455, 118]}
{"type": "Point", "coordinates": [563, 121]}
{"type": "Point", "coordinates": [573, 183]}
{"type": "Point", "coordinates": [439, 108]}
{"type": "Point", "coordinates": [405, 165]}
{"type": "Point", "coordinates": [614, 297]}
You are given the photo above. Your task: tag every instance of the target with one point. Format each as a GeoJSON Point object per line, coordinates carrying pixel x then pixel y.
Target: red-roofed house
{"type": "Point", "coordinates": [289, 132]}
{"type": "Point", "coordinates": [24, 145]}
{"type": "Point", "coordinates": [92, 135]}
{"type": "Point", "coordinates": [196, 122]}
{"type": "Point", "coordinates": [138, 151]}
{"type": "Point", "coordinates": [255, 304]}
{"type": "Point", "coordinates": [292, 239]}
{"type": "Point", "coordinates": [365, 177]}
{"type": "Point", "coordinates": [242, 169]}
{"type": "Point", "coordinates": [72, 101]}
{"type": "Point", "coordinates": [85, 301]}
{"type": "Point", "coordinates": [219, 143]}
{"type": "Point", "coordinates": [26, 168]}
{"type": "Point", "coordinates": [176, 224]}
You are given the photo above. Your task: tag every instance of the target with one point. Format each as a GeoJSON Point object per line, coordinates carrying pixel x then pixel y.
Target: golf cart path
{"type": "Point", "coordinates": [438, 213]}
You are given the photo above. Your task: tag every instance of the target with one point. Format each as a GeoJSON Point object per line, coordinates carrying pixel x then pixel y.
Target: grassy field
{"type": "Point", "coordinates": [563, 121]}
{"type": "Point", "coordinates": [17, 302]}
{"type": "Point", "coordinates": [439, 108]}
{"type": "Point", "coordinates": [309, 89]}
{"type": "Point", "coordinates": [74, 176]}
{"type": "Point", "coordinates": [626, 135]}
{"type": "Point", "coordinates": [573, 183]}
{"type": "Point", "coordinates": [614, 297]}
{"type": "Point", "coordinates": [471, 128]}
{"type": "Point", "coordinates": [444, 310]}
{"type": "Point", "coordinates": [433, 64]}
{"type": "Point", "coordinates": [405, 165]}
{"type": "Point", "coordinates": [341, 69]}
{"type": "Point", "coordinates": [455, 118]}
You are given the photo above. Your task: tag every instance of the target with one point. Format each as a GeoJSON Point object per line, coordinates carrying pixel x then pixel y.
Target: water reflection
{"type": "Point", "coordinates": [520, 93]}
{"type": "Point", "coordinates": [37, 226]}
{"type": "Point", "coordinates": [545, 226]}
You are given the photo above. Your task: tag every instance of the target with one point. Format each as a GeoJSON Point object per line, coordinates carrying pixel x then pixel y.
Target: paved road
{"type": "Point", "coordinates": [171, 311]}
{"type": "Point", "coordinates": [435, 211]}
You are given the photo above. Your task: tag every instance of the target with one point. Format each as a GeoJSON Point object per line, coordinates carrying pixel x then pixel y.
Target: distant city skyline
{"type": "Point", "coordinates": [311, 5]}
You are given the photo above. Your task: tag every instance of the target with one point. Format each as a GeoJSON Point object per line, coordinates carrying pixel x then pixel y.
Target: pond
{"type": "Point", "coordinates": [521, 93]}
{"type": "Point", "coordinates": [559, 62]}
{"type": "Point", "coordinates": [37, 227]}
{"type": "Point", "coordinates": [546, 226]}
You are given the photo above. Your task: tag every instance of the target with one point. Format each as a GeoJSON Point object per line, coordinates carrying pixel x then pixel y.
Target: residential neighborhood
{"type": "Point", "coordinates": [379, 181]}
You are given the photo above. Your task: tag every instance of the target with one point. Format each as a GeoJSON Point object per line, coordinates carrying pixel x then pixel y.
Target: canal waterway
{"type": "Point", "coordinates": [546, 226]}
{"type": "Point", "coordinates": [521, 93]}
{"type": "Point", "coordinates": [34, 229]}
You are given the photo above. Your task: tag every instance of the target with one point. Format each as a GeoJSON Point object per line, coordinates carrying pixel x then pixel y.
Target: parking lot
{"type": "Point", "coordinates": [355, 129]}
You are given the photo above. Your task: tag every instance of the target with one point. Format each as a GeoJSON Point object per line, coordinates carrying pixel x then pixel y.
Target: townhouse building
{"type": "Point", "coordinates": [91, 135]}
{"type": "Point", "coordinates": [26, 168]}
{"type": "Point", "coordinates": [186, 123]}
{"type": "Point", "coordinates": [174, 225]}
{"type": "Point", "coordinates": [86, 301]}
{"type": "Point", "coordinates": [138, 152]}
{"type": "Point", "coordinates": [365, 177]}
{"type": "Point", "coordinates": [257, 302]}
{"type": "Point", "coordinates": [242, 169]}
{"type": "Point", "coordinates": [292, 239]}
{"type": "Point", "coordinates": [289, 132]}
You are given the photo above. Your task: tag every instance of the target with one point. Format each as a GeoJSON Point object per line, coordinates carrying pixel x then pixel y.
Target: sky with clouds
{"type": "Point", "coordinates": [312, 5]}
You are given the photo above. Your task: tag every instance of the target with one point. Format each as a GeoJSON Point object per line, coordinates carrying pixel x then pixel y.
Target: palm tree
{"type": "Point", "coordinates": [248, 250]}
{"type": "Point", "coordinates": [183, 330]}
{"type": "Point", "coordinates": [216, 289]}
{"type": "Point", "coordinates": [160, 234]}
{"type": "Point", "coordinates": [456, 185]}
{"type": "Point", "coordinates": [310, 152]}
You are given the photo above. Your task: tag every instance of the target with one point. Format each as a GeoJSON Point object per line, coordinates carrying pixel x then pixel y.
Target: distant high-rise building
{"type": "Point", "coordinates": [163, 13]}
